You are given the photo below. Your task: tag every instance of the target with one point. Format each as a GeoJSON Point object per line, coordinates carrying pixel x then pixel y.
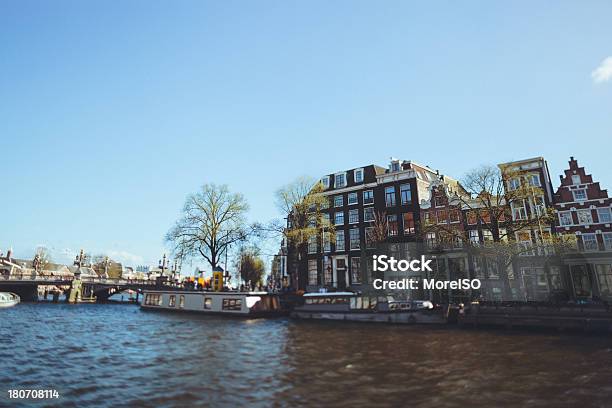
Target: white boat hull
{"type": "Point", "coordinates": [8, 299]}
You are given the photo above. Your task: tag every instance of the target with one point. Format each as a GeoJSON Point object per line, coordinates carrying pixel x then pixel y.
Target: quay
{"type": "Point", "coordinates": [538, 315]}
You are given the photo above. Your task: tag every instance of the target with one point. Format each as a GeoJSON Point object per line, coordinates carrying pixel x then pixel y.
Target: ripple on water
{"type": "Point", "coordinates": [115, 355]}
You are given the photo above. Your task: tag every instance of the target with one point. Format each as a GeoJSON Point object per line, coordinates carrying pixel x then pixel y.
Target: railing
{"type": "Point", "coordinates": [34, 277]}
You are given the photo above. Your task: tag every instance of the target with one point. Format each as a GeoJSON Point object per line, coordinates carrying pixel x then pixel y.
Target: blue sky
{"type": "Point", "coordinates": [111, 112]}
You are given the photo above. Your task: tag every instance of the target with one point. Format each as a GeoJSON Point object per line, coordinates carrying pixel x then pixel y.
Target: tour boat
{"type": "Point", "coordinates": [246, 304]}
{"type": "Point", "coordinates": [8, 299]}
{"type": "Point", "coordinates": [363, 308]}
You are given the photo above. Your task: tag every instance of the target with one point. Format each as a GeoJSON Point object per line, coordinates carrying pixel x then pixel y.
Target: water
{"type": "Point", "coordinates": [116, 355]}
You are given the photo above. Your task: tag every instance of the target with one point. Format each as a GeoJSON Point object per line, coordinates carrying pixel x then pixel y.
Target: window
{"type": "Point", "coordinates": [207, 303]}
{"type": "Point", "coordinates": [354, 238]}
{"type": "Point", "coordinates": [325, 203]}
{"type": "Point", "coordinates": [352, 198]}
{"type": "Point", "coordinates": [408, 223]}
{"type": "Point", "coordinates": [325, 181]}
{"type": "Point", "coordinates": [153, 299]}
{"type": "Point", "coordinates": [368, 214]}
{"type": "Point", "coordinates": [518, 210]}
{"type": "Point", "coordinates": [604, 215]}
{"type": "Point", "coordinates": [472, 219]}
{"type": "Point", "coordinates": [538, 206]}
{"type": "Point", "coordinates": [524, 241]}
{"type": "Point", "coordinates": [355, 270]}
{"type": "Point", "coordinates": [353, 216]}
{"type": "Point", "coordinates": [325, 219]}
{"type": "Point", "coordinates": [514, 184]}
{"type": "Point", "coordinates": [442, 217]}
{"type": "Point", "coordinates": [313, 272]}
{"type": "Point", "coordinates": [368, 197]}
{"type": "Point", "coordinates": [607, 239]}
{"type": "Point", "coordinates": [326, 242]}
{"type": "Point", "coordinates": [181, 301]}
{"type": "Point", "coordinates": [327, 271]}
{"type": "Point", "coordinates": [312, 245]}
{"type": "Point", "coordinates": [232, 304]}
{"type": "Point", "coordinates": [454, 216]}
{"type": "Point", "coordinates": [604, 277]}
{"type": "Point", "coordinates": [390, 196]}
{"type": "Point", "coordinates": [358, 175]}
{"type": "Point", "coordinates": [338, 201]}
{"type": "Point", "coordinates": [474, 238]}
{"type": "Point", "coordinates": [339, 240]}
{"type": "Point", "coordinates": [339, 218]}
{"type": "Point", "coordinates": [554, 276]}
{"type": "Point", "coordinates": [395, 166]}
{"type": "Point", "coordinates": [405, 194]}
{"type": "Point", "coordinates": [426, 218]}
{"type": "Point", "coordinates": [565, 218]}
{"type": "Point", "coordinates": [392, 223]}
{"type": "Point", "coordinates": [580, 195]}
{"type": "Point", "coordinates": [369, 231]}
{"type": "Point", "coordinates": [585, 217]}
{"type": "Point", "coordinates": [438, 201]}
{"type": "Point", "coordinates": [534, 180]}
{"type": "Point", "coordinates": [589, 242]}
{"type": "Point", "coordinates": [575, 179]}
{"type": "Point", "coordinates": [172, 301]}
{"type": "Point", "coordinates": [487, 236]}
{"type": "Point", "coordinates": [430, 239]}
{"type": "Point", "coordinates": [340, 180]}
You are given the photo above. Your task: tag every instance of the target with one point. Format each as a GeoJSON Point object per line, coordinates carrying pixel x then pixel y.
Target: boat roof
{"type": "Point", "coordinates": [328, 294]}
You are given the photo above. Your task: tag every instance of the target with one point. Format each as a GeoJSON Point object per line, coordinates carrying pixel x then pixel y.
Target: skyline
{"type": "Point", "coordinates": [117, 112]}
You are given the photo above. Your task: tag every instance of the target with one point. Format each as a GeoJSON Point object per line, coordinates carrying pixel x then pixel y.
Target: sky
{"type": "Point", "coordinates": [113, 111]}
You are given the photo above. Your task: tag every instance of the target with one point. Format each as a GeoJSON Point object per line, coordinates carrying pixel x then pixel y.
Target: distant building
{"type": "Point", "coordinates": [584, 209]}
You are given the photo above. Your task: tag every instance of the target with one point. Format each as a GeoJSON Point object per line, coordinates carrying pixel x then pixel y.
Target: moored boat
{"type": "Point", "coordinates": [245, 304]}
{"type": "Point", "coordinates": [8, 299]}
{"type": "Point", "coordinates": [362, 308]}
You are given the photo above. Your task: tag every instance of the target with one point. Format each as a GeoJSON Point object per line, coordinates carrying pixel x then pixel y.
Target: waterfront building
{"type": "Point", "coordinates": [584, 210]}
{"type": "Point", "coordinates": [358, 200]}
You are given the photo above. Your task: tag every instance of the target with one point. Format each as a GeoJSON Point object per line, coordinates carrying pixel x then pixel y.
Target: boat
{"type": "Point", "coordinates": [228, 303]}
{"type": "Point", "coordinates": [363, 308]}
{"type": "Point", "coordinates": [8, 299]}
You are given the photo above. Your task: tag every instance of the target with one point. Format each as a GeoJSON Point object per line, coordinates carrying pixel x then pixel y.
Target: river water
{"type": "Point", "coordinates": [113, 355]}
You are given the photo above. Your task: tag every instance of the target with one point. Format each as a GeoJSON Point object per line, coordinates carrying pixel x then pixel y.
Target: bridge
{"type": "Point", "coordinates": [26, 284]}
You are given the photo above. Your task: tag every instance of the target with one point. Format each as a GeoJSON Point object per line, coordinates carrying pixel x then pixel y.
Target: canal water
{"type": "Point", "coordinates": [114, 355]}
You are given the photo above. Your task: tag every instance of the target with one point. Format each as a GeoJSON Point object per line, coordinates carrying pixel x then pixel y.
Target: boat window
{"type": "Point", "coordinates": [358, 303]}
{"type": "Point", "coordinates": [153, 299]}
{"type": "Point", "coordinates": [181, 301]}
{"type": "Point", "coordinates": [207, 303]}
{"type": "Point", "coordinates": [232, 304]}
{"type": "Point", "coordinates": [366, 303]}
{"type": "Point", "coordinates": [372, 303]}
{"type": "Point", "coordinates": [353, 303]}
{"type": "Point", "coordinates": [172, 301]}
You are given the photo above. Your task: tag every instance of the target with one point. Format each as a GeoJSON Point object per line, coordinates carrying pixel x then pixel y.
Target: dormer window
{"type": "Point", "coordinates": [325, 181]}
{"type": "Point", "coordinates": [395, 166]}
{"type": "Point", "coordinates": [340, 180]}
{"type": "Point", "coordinates": [575, 179]}
{"type": "Point", "coordinates": [358, 175]}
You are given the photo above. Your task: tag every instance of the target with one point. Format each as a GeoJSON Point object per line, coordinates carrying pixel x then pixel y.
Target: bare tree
{"type": "Point", "coordinates": [302, 203]}
{"type": "Point", "coordinates": [506, 209]}
{"type": "Point", "coordinates": [213, 220]}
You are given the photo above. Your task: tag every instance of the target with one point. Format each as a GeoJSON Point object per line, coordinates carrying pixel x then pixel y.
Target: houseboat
{"type": "Point", "coordinates": [241, 304]}
{"type": "Point", "coordinates": [362, 308]}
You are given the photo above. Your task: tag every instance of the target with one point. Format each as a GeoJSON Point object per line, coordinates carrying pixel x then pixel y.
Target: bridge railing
{"type": "Point", "coordinates": [31, 276]}
{"type": "Point", "coordinates": [34, 277]}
